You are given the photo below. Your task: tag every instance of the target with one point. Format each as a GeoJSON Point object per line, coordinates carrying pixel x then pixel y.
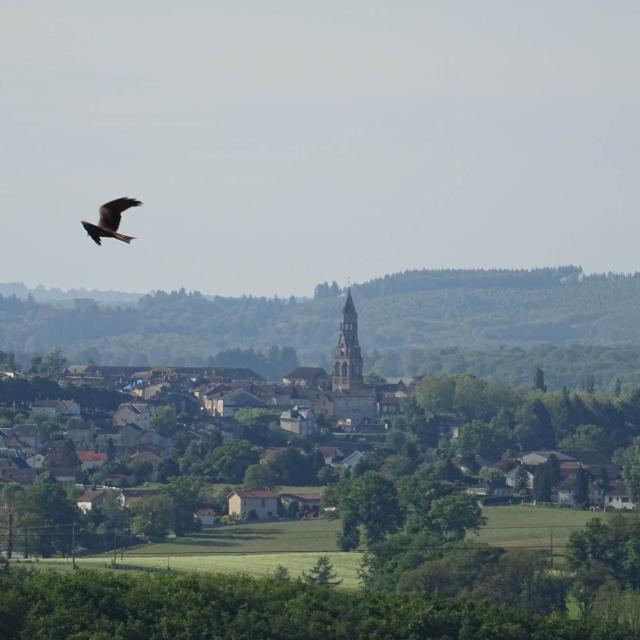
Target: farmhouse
{"type": "Point", "coordinates": [90, 499]}
{"type": "Point", "coordinates": [253, 505]}
{"type": "Point", "coordinates": [617, 496]}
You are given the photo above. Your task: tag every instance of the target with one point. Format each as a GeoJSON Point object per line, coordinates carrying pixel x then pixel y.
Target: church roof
{"type": "Point", "coordinates": [349, 307]}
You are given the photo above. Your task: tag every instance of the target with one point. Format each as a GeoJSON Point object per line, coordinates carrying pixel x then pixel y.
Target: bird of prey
{"type": "Point", "coordinates": [110, 216]}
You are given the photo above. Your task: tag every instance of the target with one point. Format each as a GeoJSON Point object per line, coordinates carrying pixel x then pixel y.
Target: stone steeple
{"type": "Point", "coordinates": [347, 369]}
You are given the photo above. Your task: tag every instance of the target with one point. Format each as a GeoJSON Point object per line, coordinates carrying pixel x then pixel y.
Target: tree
{"type": "Point", "coordinates": [48, 513]}
{"type": "Point", "coordinates": [587, 437]}
{"type": "Point", "coordinates": [261, 426]}
{"type": "Point", "coordinates": [257, 476]}
{"type": "Point", "coordinates": [491, 476]}
{"type": "Point", "coordinates": [229, 461]}
{"type": "Point", "coordinates": [535, 429]}
{"type": "Point", "coordinates": [53, 363]}
{"type": "Point", "coordinates": [281, 573]}
{"type": "Point", "coordinates": [588, 580]}
{"type": "Point", "coordinates": [374, 378]}
{"type": "Point", "coordinates": [163, 420]}
{"type": "Point", "coordinates": [470, 397]}
{"type": "Point", "coordinates": [436, 393]}
{"type": "Point", "coordinates": [631, 469]}
{"type": "Point", "coordinates": [590, 383]}
{"type": "Point", "coordinates": [542, 484]}
{"type": "Point", "coordinates": [153, 517]}
{"type": "Point", "coordinates": [617, 390]}
{"type": "Point", "coordinates": [479, 438]}
{"type": "Point", "coordinates": [322, 574]}
{"type": "Point", "coordinates": [581, 492]}
{"type": "Point", "coordinates": [538, 381]}
{"type": "Point", "coordinates": [372, 502]}
{"type": "Point", "coordinates": [521, 485]}
{"type": "Point", "coordinates": [289, 466]}
{"type": "Point", "coordinates": [453, 515]}
{"type": "Point", "coordinates": [522, 579]}
{"type": "Point", "coordinates": [186, 494]}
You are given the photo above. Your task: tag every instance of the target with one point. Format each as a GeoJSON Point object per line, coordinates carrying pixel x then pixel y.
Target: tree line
{"type": "Point", "coordinates": [88, 605]}
{"type": "Point", "coordinates": [471, 310]}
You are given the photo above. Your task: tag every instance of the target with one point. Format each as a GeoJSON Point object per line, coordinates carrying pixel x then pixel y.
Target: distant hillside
{"type": "Point", "coordinates": [402, 314]}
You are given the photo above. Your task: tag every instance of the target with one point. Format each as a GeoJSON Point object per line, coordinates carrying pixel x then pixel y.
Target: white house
{"type": "Point", "coordinates": [617, 496]}
{"type": "Point", "coordinates": [351, 460]}
{"type": "Point", "coordinates": [299, 420]}
{"type": "Point", "coordinates": [36, 461]}
{"type": "Point", "coordinates": [90, 499]}
{"type": "Point", "coordinates": [263, 505]}
{"type": "Point", "coordinates": [232, 402]}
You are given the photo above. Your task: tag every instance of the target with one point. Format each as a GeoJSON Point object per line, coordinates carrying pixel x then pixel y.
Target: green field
{"type": "Point", "coordinates": [346, 565]}
{"type": "Point", "coordinates": [528, 526]}
{"type": "Point", "coordinates": [279, 536]}
{"type": "Point", "coordinates": [257, 549]}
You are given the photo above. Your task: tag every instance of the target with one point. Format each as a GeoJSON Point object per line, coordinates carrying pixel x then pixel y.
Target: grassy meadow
{"type": "Point", "coordinates": [257, 549]}
{"type": "Point", "coordinates": [531, 526]}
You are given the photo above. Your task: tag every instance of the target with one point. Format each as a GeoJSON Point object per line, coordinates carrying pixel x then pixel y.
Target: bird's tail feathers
{"type": "Point", "coordinates": [123, 238]}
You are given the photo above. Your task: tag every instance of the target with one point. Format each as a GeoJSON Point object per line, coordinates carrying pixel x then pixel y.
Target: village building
{"type": "Point", "coordinates": [253, 505]}
{"type": "Point", "coordinates": [308, 377]}
{"type": "Point", "coordinates": [535, 458]}
{"type": "Point", "coordinates": [230, 403]}
{"type": "Point", "coordinates": [137, 413]}
{"type": "Point", "coordinates": [617, 496]}
{"type": "Point", "coordinates": [55, 408]}
{"type": "Point", "coordinates": [206, 516]}
{"type": "Point", "coordinates": [299, 420]}
{"type": "Point", "coordinates": [90, 460]}
{"type": "Point", "coordinates": [350, 461]}
{"type": "Point", "coordinates": [90, 499]}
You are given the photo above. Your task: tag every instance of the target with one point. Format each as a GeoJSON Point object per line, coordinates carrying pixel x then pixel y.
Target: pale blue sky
{"type": "Point", "coordinates": [279, 144]}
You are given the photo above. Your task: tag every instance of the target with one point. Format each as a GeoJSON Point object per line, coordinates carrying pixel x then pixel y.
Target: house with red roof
{"type": "Point", "coordinates": [206, 516]}
{"type": "Point", "coordinates": [253, 505]}
{"type": "Point", "coordinates": [90, 460]}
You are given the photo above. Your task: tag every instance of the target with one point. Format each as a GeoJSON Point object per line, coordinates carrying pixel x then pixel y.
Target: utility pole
{"type": "Point", "coordinates": [26, 543]}
{"type": "Point", "coordinates": [551, 541]}
{"type": "Point", "coordinates": [73, 545]}
{"type": "Point", "coordinates": [115, 548]}
{"type": "Point", "coordinates": [10, 540]}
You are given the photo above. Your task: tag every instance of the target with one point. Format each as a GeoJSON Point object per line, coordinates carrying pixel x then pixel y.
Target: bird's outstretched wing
{"type": "Point", "coordinates": [93, 231]}
{"type": "Point", "coordinates": [111, 212]}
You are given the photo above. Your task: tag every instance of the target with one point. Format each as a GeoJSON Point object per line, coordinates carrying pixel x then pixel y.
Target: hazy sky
{"type": "Point", "coordinates": [280, 144]}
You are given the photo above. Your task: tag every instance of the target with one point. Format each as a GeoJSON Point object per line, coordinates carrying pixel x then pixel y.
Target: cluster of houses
{"type": "Point", "coordinates": [304, 399]}
{"type": "Point", "coordinates": [519, 474]}
{"type": "Point", "coordinates": [241, 505]}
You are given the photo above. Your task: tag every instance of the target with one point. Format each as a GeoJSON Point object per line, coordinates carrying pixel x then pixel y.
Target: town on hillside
{"type": "Point", "coordinates": [121, 439]}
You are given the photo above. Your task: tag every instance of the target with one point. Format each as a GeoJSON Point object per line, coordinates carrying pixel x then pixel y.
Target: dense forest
{"type": "Point", "coordinates": [413, 322]}
{"type": "Point", "coordinates": [96, 606]}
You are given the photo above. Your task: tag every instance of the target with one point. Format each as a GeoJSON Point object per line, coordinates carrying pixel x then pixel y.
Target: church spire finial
{"type": "Point", "coordinates": [349, 307]}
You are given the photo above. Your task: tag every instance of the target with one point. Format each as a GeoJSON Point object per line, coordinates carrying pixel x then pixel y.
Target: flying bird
{"type": "Point", "coordinates": [110, 216]}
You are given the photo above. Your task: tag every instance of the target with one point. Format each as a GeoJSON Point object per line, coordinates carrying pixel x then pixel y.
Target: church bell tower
{"type": "Point", "coordinates": [347, 368]}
